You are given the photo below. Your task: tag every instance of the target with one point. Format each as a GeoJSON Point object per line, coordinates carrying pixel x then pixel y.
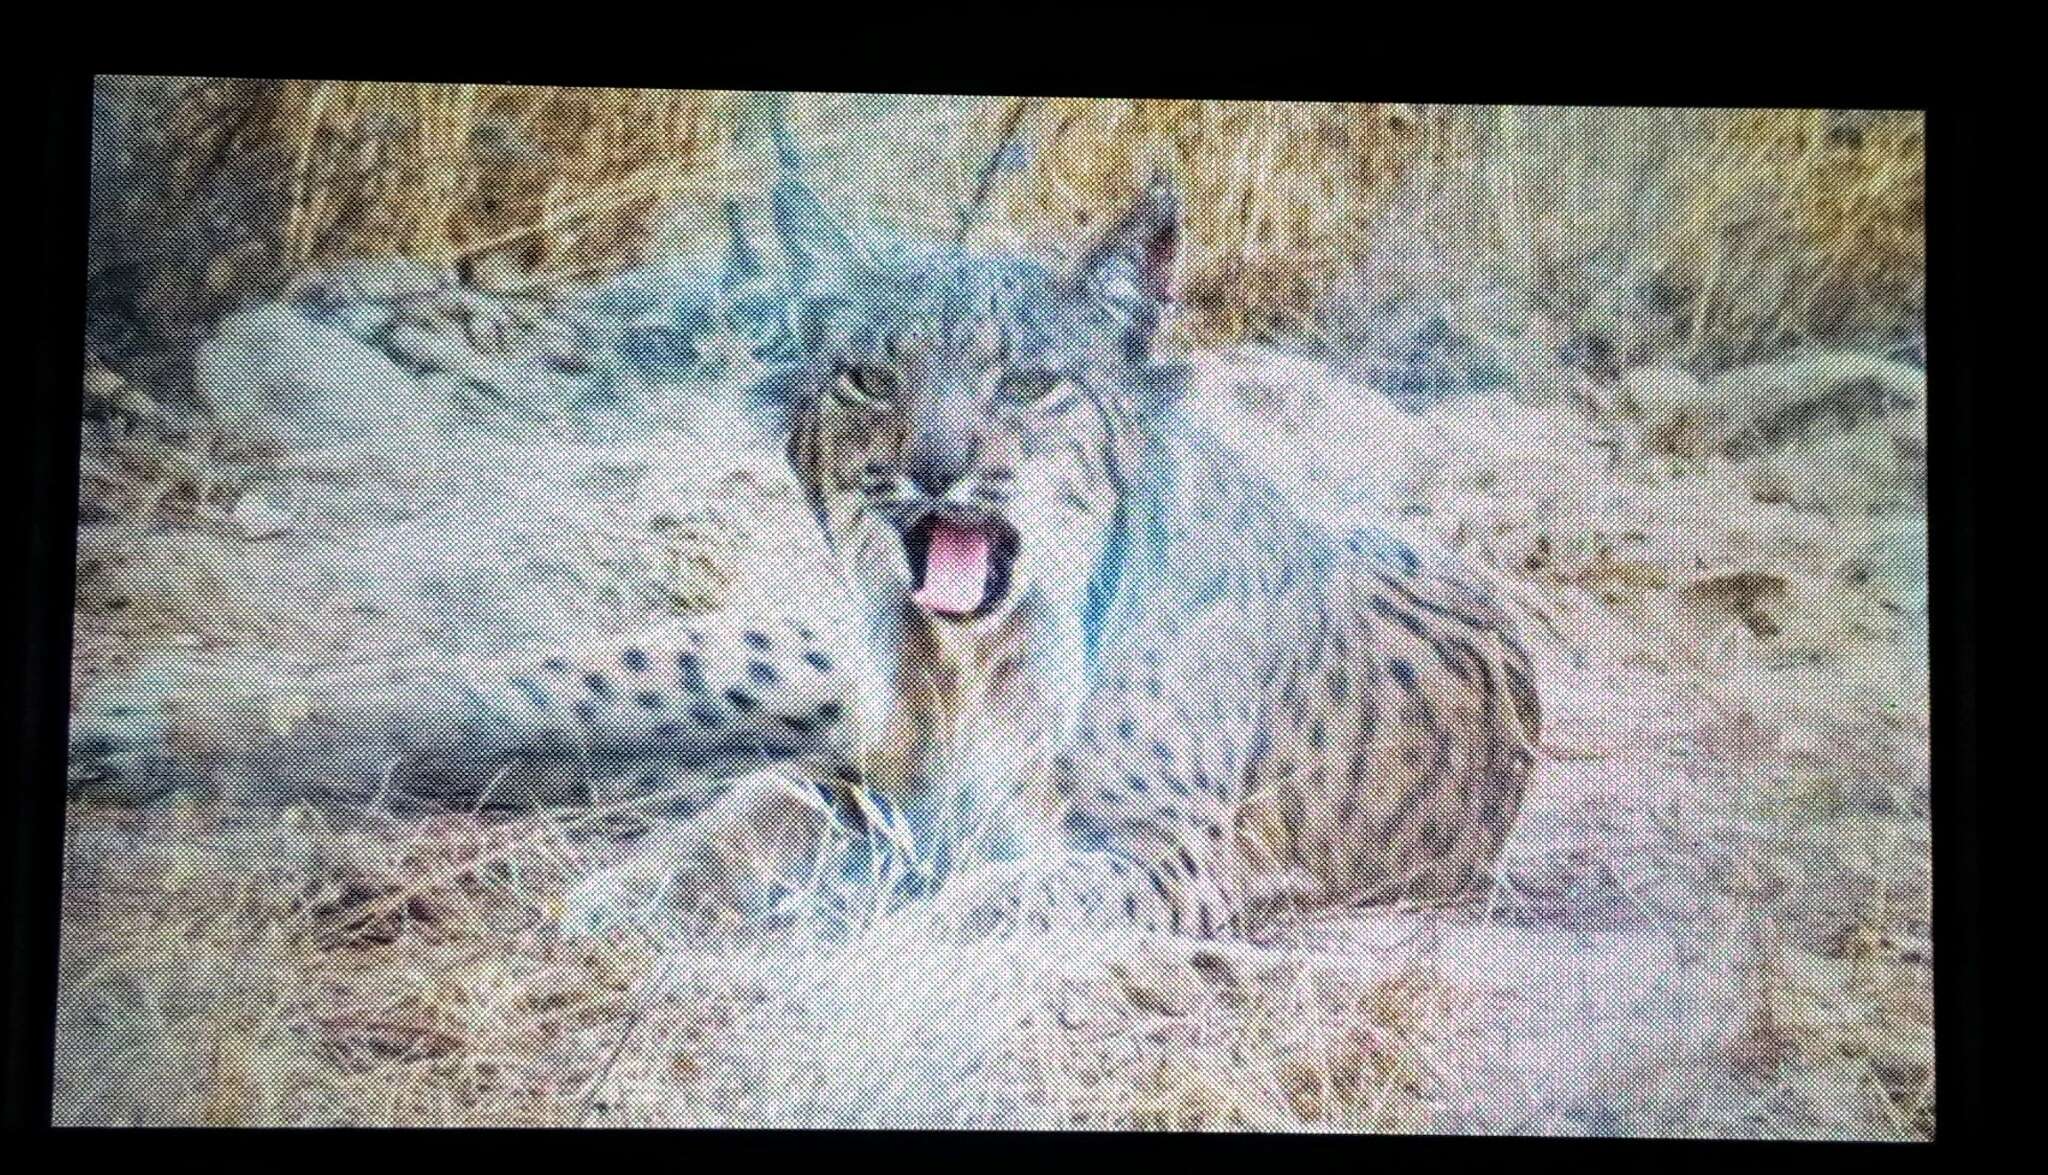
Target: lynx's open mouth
{"type": "Point", "coordinates": [960, 563]}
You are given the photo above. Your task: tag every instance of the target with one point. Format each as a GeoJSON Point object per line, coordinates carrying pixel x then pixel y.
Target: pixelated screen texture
{"type": "Point", "coordinates": [663, 607]}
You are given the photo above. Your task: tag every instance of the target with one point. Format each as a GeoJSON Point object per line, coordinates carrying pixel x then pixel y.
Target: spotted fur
{"type": "Point", "coordinates": [1241, 713]}
{"type": "Point", "coordinates": [1215, 709]}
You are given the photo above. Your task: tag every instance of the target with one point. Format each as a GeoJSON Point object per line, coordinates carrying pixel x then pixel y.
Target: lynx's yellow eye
{"type": "Point", "coordinates": [866, 387]}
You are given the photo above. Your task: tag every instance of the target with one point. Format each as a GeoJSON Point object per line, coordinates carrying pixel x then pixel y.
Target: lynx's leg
{"type": "Point", "coordinates": [1145, 791]}
{"type": "Point", "coordinates": [1052, 891]}
{"type": "Point", "coordinates": [809, 828]}
{"type": "Point", "coordinates": [713, 696]}
{"type": "Point", "coordinates": [1145, 823]}
{"type": "Point", "coordinates": [767, 837]}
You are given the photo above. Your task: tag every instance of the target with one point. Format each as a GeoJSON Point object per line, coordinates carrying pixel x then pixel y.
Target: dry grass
{"type": "Point", "coordinates": [388, 1003]}
{"type": "Point", "coordinates": [1829, 892]}
{"type": "Point", "coordinates": [1793, 227]}
{"type": "Point", "coordinates": [1280, 1044]}
{"type": "Point", "coordinates": [1789, 227]}
{"type": "Point", "coordinates": [236, 186]}
{"type": "Point", "coordinates": [313, 971]}
{"type": "Point", "coordinates": [364, 970]}
{"type": "Point", "coordinates": [1277, 194]}
{"type": "Point", "coordinates": [408, 973]}
{"type": "Point", "coordinates": [1840, 1002]}
{"type": "Point", "coordinates": [386, 1007]}
{"type": "Point", "coordinates": [520, 183]}
{"type": "Point", "coordinates": [1805, 226]}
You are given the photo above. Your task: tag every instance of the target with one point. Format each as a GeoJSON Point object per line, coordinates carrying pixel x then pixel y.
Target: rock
{"type": "Point", "coordinates": [1619, 580]}
{"type": "Point", "coordinates": [502, 270]}
{"type": "Point", "coordinates": [1809, 397]}
{"type": "Point", "coordinates": [1868, 470]}
{"type": "Point", "coordinates": [1832, 431]}
{"type": "Point", "coordinates": [661, 347]}
{"type": "Point", "coordinates": [530, 384]}
{"type": "Point", "coordinates": [109, 397]}
{"type": "Point", "coordinates": [1422, 358]}
{"type": "Point", "coordinates": [1756, 598]}
{"type": "Point", "coordinates": [102, 381]}
{"type": "Point", "coordinates": [274, 373]}
{"type": "Point", "coordinates": [361, 294]}
{"type": "Point", "coordinates": [382, 280]}
{"type": "Point", "coordinates": [1892, 565]}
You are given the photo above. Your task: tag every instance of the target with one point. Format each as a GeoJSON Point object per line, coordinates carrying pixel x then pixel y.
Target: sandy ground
{"type": "Point", "coordinates": [1712, 918]}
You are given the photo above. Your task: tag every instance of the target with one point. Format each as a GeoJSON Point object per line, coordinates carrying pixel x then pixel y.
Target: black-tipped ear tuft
{"type": "Point", "coordinates": [776, 106]}
{"type": "Point", "coordinates": [1133, 268]}
{"type": "Point", "coordinates": [811, 237]}
{"type": "Point", "coordinates": [742, 263]}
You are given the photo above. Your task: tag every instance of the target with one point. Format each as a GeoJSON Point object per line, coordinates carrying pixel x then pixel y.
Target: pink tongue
{"type": "Point", "coordinates": [955, 570]}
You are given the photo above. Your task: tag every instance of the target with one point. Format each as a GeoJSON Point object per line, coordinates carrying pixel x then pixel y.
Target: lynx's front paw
{"type": "Point", "coordinates": [1038, 894]}
{"type": "Point", "coordinates": [725, 869]}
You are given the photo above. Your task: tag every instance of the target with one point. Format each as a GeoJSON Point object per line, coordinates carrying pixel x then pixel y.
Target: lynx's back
{"type": "Point", "coordinates": [1292, 716]}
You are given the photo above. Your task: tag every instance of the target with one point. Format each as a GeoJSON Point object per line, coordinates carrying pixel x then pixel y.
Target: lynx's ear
{"type": "Point", "coordinates": [813, 240]}
{"type": "Point", "coordinates": [1132, 270]}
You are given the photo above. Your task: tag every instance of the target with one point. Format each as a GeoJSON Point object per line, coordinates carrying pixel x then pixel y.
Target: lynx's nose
{"type": "Point", "coordinates": [937, 471]}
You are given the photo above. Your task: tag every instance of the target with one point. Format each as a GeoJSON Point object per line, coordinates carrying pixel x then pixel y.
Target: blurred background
{"type": "Point", "coordinates": [1706, 239]}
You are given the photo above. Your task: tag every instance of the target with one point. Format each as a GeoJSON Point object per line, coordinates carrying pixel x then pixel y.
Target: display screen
{"type": "Point", "coordinates": [660, 607]}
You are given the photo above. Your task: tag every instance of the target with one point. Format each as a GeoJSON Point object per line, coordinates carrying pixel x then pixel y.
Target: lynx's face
{"type": "Point", "coordinates": [959, 459]}
{"type": "Point", "coordinates": [959, 423]}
